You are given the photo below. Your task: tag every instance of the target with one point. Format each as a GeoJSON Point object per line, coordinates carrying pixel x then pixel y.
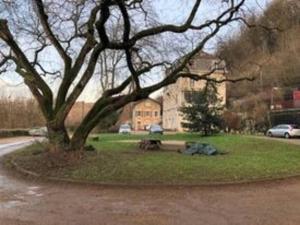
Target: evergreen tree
{"type": "Point", "coordinates": [203, 111]}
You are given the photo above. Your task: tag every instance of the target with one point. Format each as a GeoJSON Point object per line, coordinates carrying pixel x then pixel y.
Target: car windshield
{"type": "Point", "coordinates": [155, 127]}
{"type": "Point", "coordinates": [125, 126]}
{"type": "Point", "coordinates": [279, 127]}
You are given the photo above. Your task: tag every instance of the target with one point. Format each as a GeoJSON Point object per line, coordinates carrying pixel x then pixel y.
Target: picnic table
{"type": "Point", "coordinates": [150, 144]}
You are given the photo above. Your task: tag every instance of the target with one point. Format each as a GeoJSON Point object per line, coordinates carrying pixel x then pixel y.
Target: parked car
{"type": "Point", "coordinates": [284, 130]}
{"type": "Point", "coordinates": [155, 129]}
{"type": "Point", "coordinates": [125, 129]}
{"type": "Point", "coordinates": [39, 131]}
{"type": "Point", "coordinates": [148, 127]}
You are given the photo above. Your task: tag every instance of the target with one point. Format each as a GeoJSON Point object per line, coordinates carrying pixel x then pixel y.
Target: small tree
{"type": "Point", "coordinates": [203, 112]}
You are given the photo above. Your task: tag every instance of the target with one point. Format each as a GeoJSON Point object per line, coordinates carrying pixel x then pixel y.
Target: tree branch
{"type": "Point", "coordinates": [27, 71]}
{"type": "Point", "coordinates": [44, 21]}
{"type": "Point", "coordinates": [68, 104]}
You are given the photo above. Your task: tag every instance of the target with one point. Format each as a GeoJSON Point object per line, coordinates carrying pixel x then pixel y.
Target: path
{"type": "Point", "coordinates": [295, 141]}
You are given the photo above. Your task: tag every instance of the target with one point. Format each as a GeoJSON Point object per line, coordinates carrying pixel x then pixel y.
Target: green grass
{"type": "Point", "coordinates": [116, 161]}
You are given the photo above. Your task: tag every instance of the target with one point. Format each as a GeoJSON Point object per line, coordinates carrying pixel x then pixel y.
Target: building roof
{"type": "Point", "coordinates": [204, 61]}
{"type": "Point", "coordinates": [151, 99]}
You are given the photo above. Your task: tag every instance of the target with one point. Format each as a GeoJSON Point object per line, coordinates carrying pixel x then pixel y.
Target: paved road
{"type": "Point", "coordinates": [295, 141]}
{"type": "Point", "coordinates": [36, 203]}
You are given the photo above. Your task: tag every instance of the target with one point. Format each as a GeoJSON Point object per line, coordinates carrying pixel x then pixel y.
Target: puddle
{"type": "Point", "coordinates": [33, 191]}
{"type": "Point", "coordinates": [33, 188]}
{"type": "Point", "coordinates": [11, 204]}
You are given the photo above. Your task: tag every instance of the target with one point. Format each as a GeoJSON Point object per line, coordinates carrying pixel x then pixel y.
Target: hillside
{"type": "Point", "coordinates": [270, 51]}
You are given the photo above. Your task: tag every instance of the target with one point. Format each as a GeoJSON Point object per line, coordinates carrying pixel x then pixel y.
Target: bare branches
{"type": "Point", "coordinates": [4, 62]}
{"type": "Point", "coordinates": [100, 24]}
{"type": "Point", "coordinates": [40, 89]}
{"type": "Point", "coordinates": [126, 36]}
{"type": "Point", "coordinates": [169, 28]}
{"type": "Point", "coordinates": [251, 25]}
{"type": "Point", "coordinates": [207, 77]}
{"type": "Point", "coordinates": [127, 81]}
{"type": "Point", "coordinates": [64, 109]}
{"type": "Point", "coordinates": [44, 21]}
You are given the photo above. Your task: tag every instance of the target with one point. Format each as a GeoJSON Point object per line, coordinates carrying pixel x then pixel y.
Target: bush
{"type": "Point", "coordinates": [14, 133]}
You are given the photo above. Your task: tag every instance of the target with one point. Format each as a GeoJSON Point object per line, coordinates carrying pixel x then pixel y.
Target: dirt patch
{"type": "Point", "coordinates": [40, 161]}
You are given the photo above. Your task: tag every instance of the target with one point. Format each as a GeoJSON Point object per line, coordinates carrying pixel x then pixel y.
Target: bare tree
{"type": "Point", "coordinates": [19, 113]}
{"type": "Point", "coordinates": [79, 33]}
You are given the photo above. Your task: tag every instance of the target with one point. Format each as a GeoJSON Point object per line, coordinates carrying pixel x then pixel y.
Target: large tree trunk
{"type": "Point", "coordinates": [78, 141]}
{"type": "Point", "coordinates": [58, 138]}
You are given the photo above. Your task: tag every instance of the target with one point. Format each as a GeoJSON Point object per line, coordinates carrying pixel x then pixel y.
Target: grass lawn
{"type": "Point", "coordinates": [118, 160]}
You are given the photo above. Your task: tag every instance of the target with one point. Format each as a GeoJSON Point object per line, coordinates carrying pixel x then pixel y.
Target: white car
{"type": "Point", "coordinates": [284, 130]}
{"type": "Point", "coordinates": [40, 131]}
{"type": "Point", "coordinates": [125, 129]}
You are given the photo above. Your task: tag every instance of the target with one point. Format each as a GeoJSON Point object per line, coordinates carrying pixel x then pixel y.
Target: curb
{"type": "Point", "coordinates": [266, 180]}
{"type": "Point", "coordinates": [24, 171]}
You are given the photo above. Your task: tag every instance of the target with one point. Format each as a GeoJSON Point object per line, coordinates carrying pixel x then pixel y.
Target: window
{"type": "Point", "coordinates": [188, 96]}
{"type": "Point", "coordinates": [147, 113]}
{"type": "Point", "coordinates": [156, 114]}
{"type": "Point", "coordinates": [192, 83]}
{"type": "Point", "coordinates": [125, 126]}
{"type": "Point", "coordinates": [138, 113]}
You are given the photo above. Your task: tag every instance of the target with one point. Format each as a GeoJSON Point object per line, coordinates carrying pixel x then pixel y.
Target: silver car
{"type": "Point", "coordinates": [125, 129]}
{"type": "Point", "coordinates": [39, 131]}
{"type": "Point", "coordinates": [284, 130]}
{"type": "Point", "coordinates": [156, 129]}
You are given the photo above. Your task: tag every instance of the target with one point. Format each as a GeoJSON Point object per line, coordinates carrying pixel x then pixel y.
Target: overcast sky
{"type": "Point", "coordinates": [169, 11]}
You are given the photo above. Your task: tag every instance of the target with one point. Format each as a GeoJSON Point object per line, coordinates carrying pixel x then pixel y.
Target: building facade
{"type": "Point", "coordinates": [141, 114]}
{"type": "Point", "coordinates": [177, 94]}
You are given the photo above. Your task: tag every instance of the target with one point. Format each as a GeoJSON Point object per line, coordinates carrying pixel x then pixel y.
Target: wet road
{"type": "Point", "coordinates": [36, 203]}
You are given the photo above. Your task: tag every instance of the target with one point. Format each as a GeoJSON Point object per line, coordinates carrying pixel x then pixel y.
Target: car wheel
{"type": "Point", "coordinates": [269, 134]}
{"type": "Point", "coordinates": [287, 135]}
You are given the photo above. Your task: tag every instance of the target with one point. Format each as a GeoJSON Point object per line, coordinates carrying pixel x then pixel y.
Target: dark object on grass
{"type": "Point", "coordinates": [95, 139]}
{"type": "Point", "coordinates": [200, 148]}
{"type": "Point", "coordinates": [89, 148]}
{"type": "Point", "coordinates": [150, 144]}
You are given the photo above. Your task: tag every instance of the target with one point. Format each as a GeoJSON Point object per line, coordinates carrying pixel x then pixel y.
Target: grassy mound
{"type": "Point", "coordinates": [118, 160]}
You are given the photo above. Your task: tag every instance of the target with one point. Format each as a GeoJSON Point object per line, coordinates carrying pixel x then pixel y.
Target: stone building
{"type": "Point", "coordinates": [177, 95]}
{"type": "Point", "coordinates": [141, 114]}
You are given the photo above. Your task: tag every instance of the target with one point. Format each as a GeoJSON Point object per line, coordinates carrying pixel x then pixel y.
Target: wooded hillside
{"type": "Point", "coordinates": [269, 51]}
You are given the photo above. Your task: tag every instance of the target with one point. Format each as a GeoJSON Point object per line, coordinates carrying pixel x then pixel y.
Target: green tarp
{"type": "Point", "coordinates": [201, 148]}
